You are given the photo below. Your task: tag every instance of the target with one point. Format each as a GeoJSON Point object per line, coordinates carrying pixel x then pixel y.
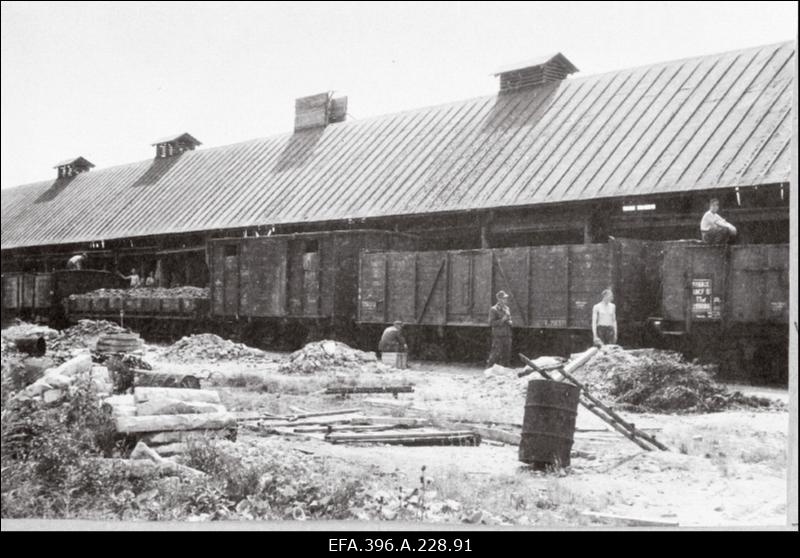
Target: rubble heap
{"type": "Point", "coordinates": [147, 292]}
{"type": "Point", "coordinates": [210, 347]}
{"type": "Point", "coordinates": [327, 355]}
{"type": "Point", "coordinates": [83, 335]}
{"type": "Point", "coordinates": [660, 381]}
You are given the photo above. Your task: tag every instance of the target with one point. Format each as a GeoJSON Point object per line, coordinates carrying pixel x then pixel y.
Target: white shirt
{"type": "Point", "coordinates": [713, 221]}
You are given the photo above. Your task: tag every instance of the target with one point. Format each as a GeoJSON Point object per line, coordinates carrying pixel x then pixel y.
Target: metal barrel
{"type": "Point", "coordinates": [31, 344]}
{"type": "Point", "coordinates": [548, 426]}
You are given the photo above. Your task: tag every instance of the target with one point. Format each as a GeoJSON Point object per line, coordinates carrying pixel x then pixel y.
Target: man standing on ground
{"type": "Point", "coordinates": [713, 227]}
{"type": "Point", "coordinates": [604, 320]}
{"type": "Point", "coordinates": [500, 322]}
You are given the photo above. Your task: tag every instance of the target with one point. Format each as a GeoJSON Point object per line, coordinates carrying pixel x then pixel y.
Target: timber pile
{"type": "Point", "coordinates": [210, 347]}
{"type": "Point", "coordinates": [660, 381]}
{"type": "Point", "coordinates": [326, 356]}
{"type": "Point", "coordinates": [146, 292]}
{"type": "Point", "coordinates": [168, 418]}
{"type": "Point", "coordinates": [349, 426]}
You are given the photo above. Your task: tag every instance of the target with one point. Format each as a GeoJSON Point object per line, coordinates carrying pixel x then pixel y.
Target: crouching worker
{"type": "Point", "coordinates": [393, 345]}
{"type": "Point", "coordinates": [604, 320]}
{"type": "Point", "coordinates": [500, 322]}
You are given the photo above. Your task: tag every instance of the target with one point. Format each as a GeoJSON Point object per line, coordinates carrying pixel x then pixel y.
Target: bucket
{"type": "Point", "coordinates": [395, 360]}
{"type": "Point", "coordinates": [31, 344]}
{"type": "Point", "coordinates": [548, 426]}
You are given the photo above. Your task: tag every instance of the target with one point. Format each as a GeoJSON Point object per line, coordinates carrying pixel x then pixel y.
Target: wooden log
{"type": "Point", "coordinates": [138, 468]}
{"type": "Point", "coordinates": [160, 423]}
{"type": "Point", "coordinates": [142, 394]}
{"type": "Point", "coordinates": [143, 451]}
{"type": "Point", "coordinates": [630, 520]}
{"type": "Point", "coordinates": [175, 448]}
{"type": "Point", "coordinates": [119, 405]}
{"type": "Point", "coordinates": [157, 438]}
{"type": "Point", "coordinates": [164, 406]}
{"type": "Point", "coordinates": [75, 366]}
{"type": "Point", "coordinates": [577, 363]}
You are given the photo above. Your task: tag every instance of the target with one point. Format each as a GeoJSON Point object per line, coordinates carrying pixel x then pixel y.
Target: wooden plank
{"type": "Point", "coordinates": [485, 432]}
{"type": "Point", "coordinates": [398, 435]}
{"type": "Point", "coordinates": [348, 428]}
{"type": "Point", "coordinates": [368, 389]}
{"type": "Point", "coordinates": [325, 413]}
{"type": "Point", "coordinates": [437, 439]}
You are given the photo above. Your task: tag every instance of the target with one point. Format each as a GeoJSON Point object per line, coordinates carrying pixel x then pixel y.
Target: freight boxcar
{"type": "Point", "coordinates": [41, 295]}
{"type": "Point", "coordinates": [293, 285]}
{"type": "Point", "coordinates": [729, 303]}
{"type": "Point", "coordinates": [552, 288]}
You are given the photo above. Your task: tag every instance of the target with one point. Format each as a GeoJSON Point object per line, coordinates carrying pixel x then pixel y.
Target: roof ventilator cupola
{"type": "Point", "coordinates": [71, 167]}
{"type": "Point", "coordinates": [534, 73]}
{"type": "Point", "coordinates": [175, 145]}
{"type": "Point", "coordinates": [317, 111]}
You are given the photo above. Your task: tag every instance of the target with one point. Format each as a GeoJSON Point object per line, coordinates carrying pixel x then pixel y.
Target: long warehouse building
{"type": "Point", "coordinates": [550, 158]}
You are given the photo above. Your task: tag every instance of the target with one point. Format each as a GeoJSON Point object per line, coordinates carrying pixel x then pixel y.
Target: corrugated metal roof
{"type": "Point", "coordinates": [708, 122]}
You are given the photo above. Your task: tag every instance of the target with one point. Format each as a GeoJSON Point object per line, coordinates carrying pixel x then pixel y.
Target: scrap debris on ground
{"type": "Point", "coordinates": [327, 355]}
{"type": "Point", "coordinates": [659, 381]}
{"type": "Point", "coordinates": [210, 347]}
{"type": "Point", "coordinates": [185, 437]}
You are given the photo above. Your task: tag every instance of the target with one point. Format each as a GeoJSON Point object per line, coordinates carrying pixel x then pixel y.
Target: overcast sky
{"type": "Point", "coordinates": [104, 80]}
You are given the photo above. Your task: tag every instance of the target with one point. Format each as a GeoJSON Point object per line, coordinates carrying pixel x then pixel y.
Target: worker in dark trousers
{"type": "Point", "coordinates": [500, 322]}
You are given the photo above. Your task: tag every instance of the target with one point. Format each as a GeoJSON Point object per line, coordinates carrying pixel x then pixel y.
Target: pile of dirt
{"type": "Point", "coordinates": [210, 347]}
{"type": "Point", "coordinates": [327, 356]}
{"type": "Point", "coordinates": [660, 381]}
{"type": "Point", "coordinates": [148, 292]}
